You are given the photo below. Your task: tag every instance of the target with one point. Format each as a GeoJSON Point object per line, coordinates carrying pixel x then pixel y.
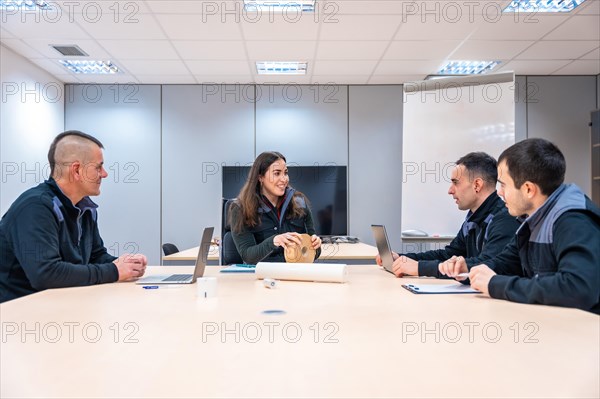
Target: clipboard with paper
{"type": "Point", "coordinates": [440, 289]}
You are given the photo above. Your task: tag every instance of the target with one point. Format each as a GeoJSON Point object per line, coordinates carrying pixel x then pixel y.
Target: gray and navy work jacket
{"type": "Point", "coordinates": [554, 259]}
{"type": "Point", "coordinates": [47, 242]}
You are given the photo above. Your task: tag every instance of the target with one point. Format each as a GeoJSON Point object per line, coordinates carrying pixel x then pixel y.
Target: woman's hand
{"type": "Point", "coordinates": [285, 239]}
{"type": "Point", "coordinates": [316, 241]}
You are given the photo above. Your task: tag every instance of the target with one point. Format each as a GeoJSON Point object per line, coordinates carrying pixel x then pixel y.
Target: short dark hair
{"type": "Point", "coordinates": [538, 161]}
{"type": "Point", "coordinates": [52, 150]}
{"type": "Point", "coordinates": [480, 164]}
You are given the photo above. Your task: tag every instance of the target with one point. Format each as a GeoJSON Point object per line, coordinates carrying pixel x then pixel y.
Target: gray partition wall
{"type": "Point", "coordinates": [561, 114]}
{"type": "Point", "coordinates": [126, 118]}
{"type": "Point", "coordinates": [520, 108]}
{"type": "Point", "coordinates": [375, 160]}
{"type": "Point", "coordinates": [205, 127]}
{"type": "Point", "coordinates": [307, 124]}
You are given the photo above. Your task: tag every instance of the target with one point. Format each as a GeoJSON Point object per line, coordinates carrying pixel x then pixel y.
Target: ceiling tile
{"type": "Point", "coordinates": [90, 47]}
{"type": "Point", "coordinates": [280, 50]}
{"type": "Point", "coordinates": [344, 68]}
{"type": "Point", "coordinates": [193, 27]}
{"type": "Point", "coordinates": [155, 67]}
{"type": "Point", "coordinates": [21, 48]}
{"type": "Point", "coordinates": [283, 80]}
{"type": "Point", "coordinates": [166, 79]}
{"type": "Point", "coordinates": [95, 10]}
{"type": "Point", "coordinates": [51, 66]}
{"type": "Point", "coordinates": [217, 68]}
{"type": "Point", "coordinates": [420, 50]}
{"type": "Point", "coordinates": [365, 7]}
{"type": "Point", "coordinates": [580, 27]}
{"type": "Point", "coordinates": [108, 79]}
{"type": "Point", "coordinates": [339, 79]}
{"type": "Point", "coordinates": [580, 67]}
{"type": "Point", "coordinates": [360, 27]}
{"type": "Point", "coordinates": [26, 25]}
{"type": "Point", "coordinates": [518, 26]}
{"type": "Point", "coordinates": [560, 50]}
{"type": "Point", "coordinates": [210, 50]}
{"type": "Point", "coordinates": [221, 7]}
{"type": "Point", "coordinates": [4, 34]}
{"type": "Point", "coordinates": [537, 67]}
{"type": "Point", "coordinates": [592, 55]}
{"type": "Point", "coordinates": [140, 49]}
{"type": "Point", "coordinates": [407, 67]}
{"type": "Point", "coordinates": [395, 79]}
{"type": "Point", "coordinates": [142, 27]}
{"type": "Point", "coordinates": [351, 50]}
{"type": "Point", "coordinates": [414, 28]}
{"type": "Point", "coordinates": [590, 7]}
{"type": "Point", "coordinates": [229, 79]}
{"type": "Point", "coordinates": [280, 28]}
{"type": "Point", "coordinates": [490, 50]}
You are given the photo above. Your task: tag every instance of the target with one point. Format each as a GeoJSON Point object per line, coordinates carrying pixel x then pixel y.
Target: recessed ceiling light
{"type": "Point", "coordinates": [256, 5]}
{"type": "Point", "coordinates": [542, 5]}
{"type": "Point", "coordinates": [467, 67]}
{"type": "Point", "coordinates": [281, 68]}
{"type": "Point", "coordinates": [90, 67]}
{"type": "Point", "coordinates": [23, 4]}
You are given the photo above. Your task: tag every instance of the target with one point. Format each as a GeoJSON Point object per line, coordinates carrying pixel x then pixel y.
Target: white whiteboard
{"type": "Point", "coordinates": [443, 120]}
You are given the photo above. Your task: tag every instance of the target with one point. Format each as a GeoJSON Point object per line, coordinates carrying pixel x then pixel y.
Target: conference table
{"type": "Point", "coordinates": [366, 338]}
{"type": "Point", "coordinates": [338, 252]}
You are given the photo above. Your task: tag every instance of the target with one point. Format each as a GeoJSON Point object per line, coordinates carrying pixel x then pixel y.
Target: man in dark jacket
{"type": "Point", "coordinates": [49, 236]}
{"type": "Point", "coordinates": [554, 258]}
{"type": "Point", "coordinates": [486, 230]}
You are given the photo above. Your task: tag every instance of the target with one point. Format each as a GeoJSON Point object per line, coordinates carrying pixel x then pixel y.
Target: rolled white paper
{"type": "Point", "coordinates": [322, 272]}
{"type": "Point", "coordinates": [207, 287]}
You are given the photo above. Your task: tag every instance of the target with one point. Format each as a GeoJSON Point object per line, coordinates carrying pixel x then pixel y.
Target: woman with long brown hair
{"type": "Point", "coordinates": [268, 214]}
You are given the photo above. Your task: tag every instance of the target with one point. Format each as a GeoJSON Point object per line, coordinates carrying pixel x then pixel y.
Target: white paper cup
{"type": "Point", "coordinates": [207, 287]}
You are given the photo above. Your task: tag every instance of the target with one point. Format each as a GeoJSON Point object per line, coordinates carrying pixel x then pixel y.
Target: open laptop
{"type": "Point", "coordinates": [383, 247]}
{"type": "Point", "coordinates": [185, 278]}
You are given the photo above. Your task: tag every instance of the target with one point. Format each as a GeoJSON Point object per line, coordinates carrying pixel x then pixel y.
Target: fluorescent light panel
{"type": "Point", "coordinates": [467, 67]}
{"type": "Point", "coordinates": [90, 67]}
{"type": "Point", "coordinates": [259, 5]}
{"type": "Point", "coordinates": [542, 5]}
{"type": "Point", "coordinates": [281, 67]}
{"type": "Point", "coordinates": [23, 4]}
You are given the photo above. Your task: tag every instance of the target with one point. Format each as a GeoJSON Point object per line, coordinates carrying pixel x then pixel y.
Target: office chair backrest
{"type": "Point", "coordinates": [169, 248]}
{"type": "Point", "coordinates": [229, 253]}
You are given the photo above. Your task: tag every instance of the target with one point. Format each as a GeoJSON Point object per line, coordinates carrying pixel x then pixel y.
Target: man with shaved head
{"type": "Point", "coordinates": [49, 237]}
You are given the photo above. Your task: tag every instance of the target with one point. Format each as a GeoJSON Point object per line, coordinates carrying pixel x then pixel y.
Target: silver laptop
{"type": "Point", "coordinates": [185, 278]}
{"type": "Point", "coordinates": [383, 247]}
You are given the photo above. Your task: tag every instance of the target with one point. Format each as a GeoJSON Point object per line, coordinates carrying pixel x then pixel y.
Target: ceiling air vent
{"type": "Point", "coordinates": [70, 51]}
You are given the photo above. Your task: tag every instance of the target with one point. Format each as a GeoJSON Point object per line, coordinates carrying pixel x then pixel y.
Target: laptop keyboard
{"type": "Point", "coordinates": [179, 277]}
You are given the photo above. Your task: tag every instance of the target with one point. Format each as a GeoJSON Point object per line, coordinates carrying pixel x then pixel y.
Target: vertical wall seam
{"type": "Point", "coordinates": [161, 174]}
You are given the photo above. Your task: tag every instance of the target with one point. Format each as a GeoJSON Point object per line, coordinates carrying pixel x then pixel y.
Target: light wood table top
{"type": "Point", "coordinates": [340, 251]}
{"type": "Point", "coordinates": [366, 338]}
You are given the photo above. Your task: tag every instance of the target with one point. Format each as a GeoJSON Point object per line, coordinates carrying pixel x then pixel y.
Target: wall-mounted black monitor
{"type": "Point", "coordinates": [324, 186]}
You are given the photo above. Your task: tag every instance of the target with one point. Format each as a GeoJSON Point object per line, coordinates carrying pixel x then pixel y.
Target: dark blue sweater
{"type": "Point", "coordinates": [483, 235]}
{"type": "Point", "coordinates": [46, 242]}
{"type": "Point", "coordinates": [554, 259]}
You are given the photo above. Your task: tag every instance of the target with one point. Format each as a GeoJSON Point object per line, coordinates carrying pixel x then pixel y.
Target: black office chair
{"type": "Point", "coordinates": [229, 253]}
{"type": "Point", "coordinates": [169, 248]}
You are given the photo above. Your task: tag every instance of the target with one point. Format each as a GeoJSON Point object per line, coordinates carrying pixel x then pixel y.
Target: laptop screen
{"type": "Point", "coordinates": [383, 246]}
{"type": "Point", "coordinates": [202, 258]}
